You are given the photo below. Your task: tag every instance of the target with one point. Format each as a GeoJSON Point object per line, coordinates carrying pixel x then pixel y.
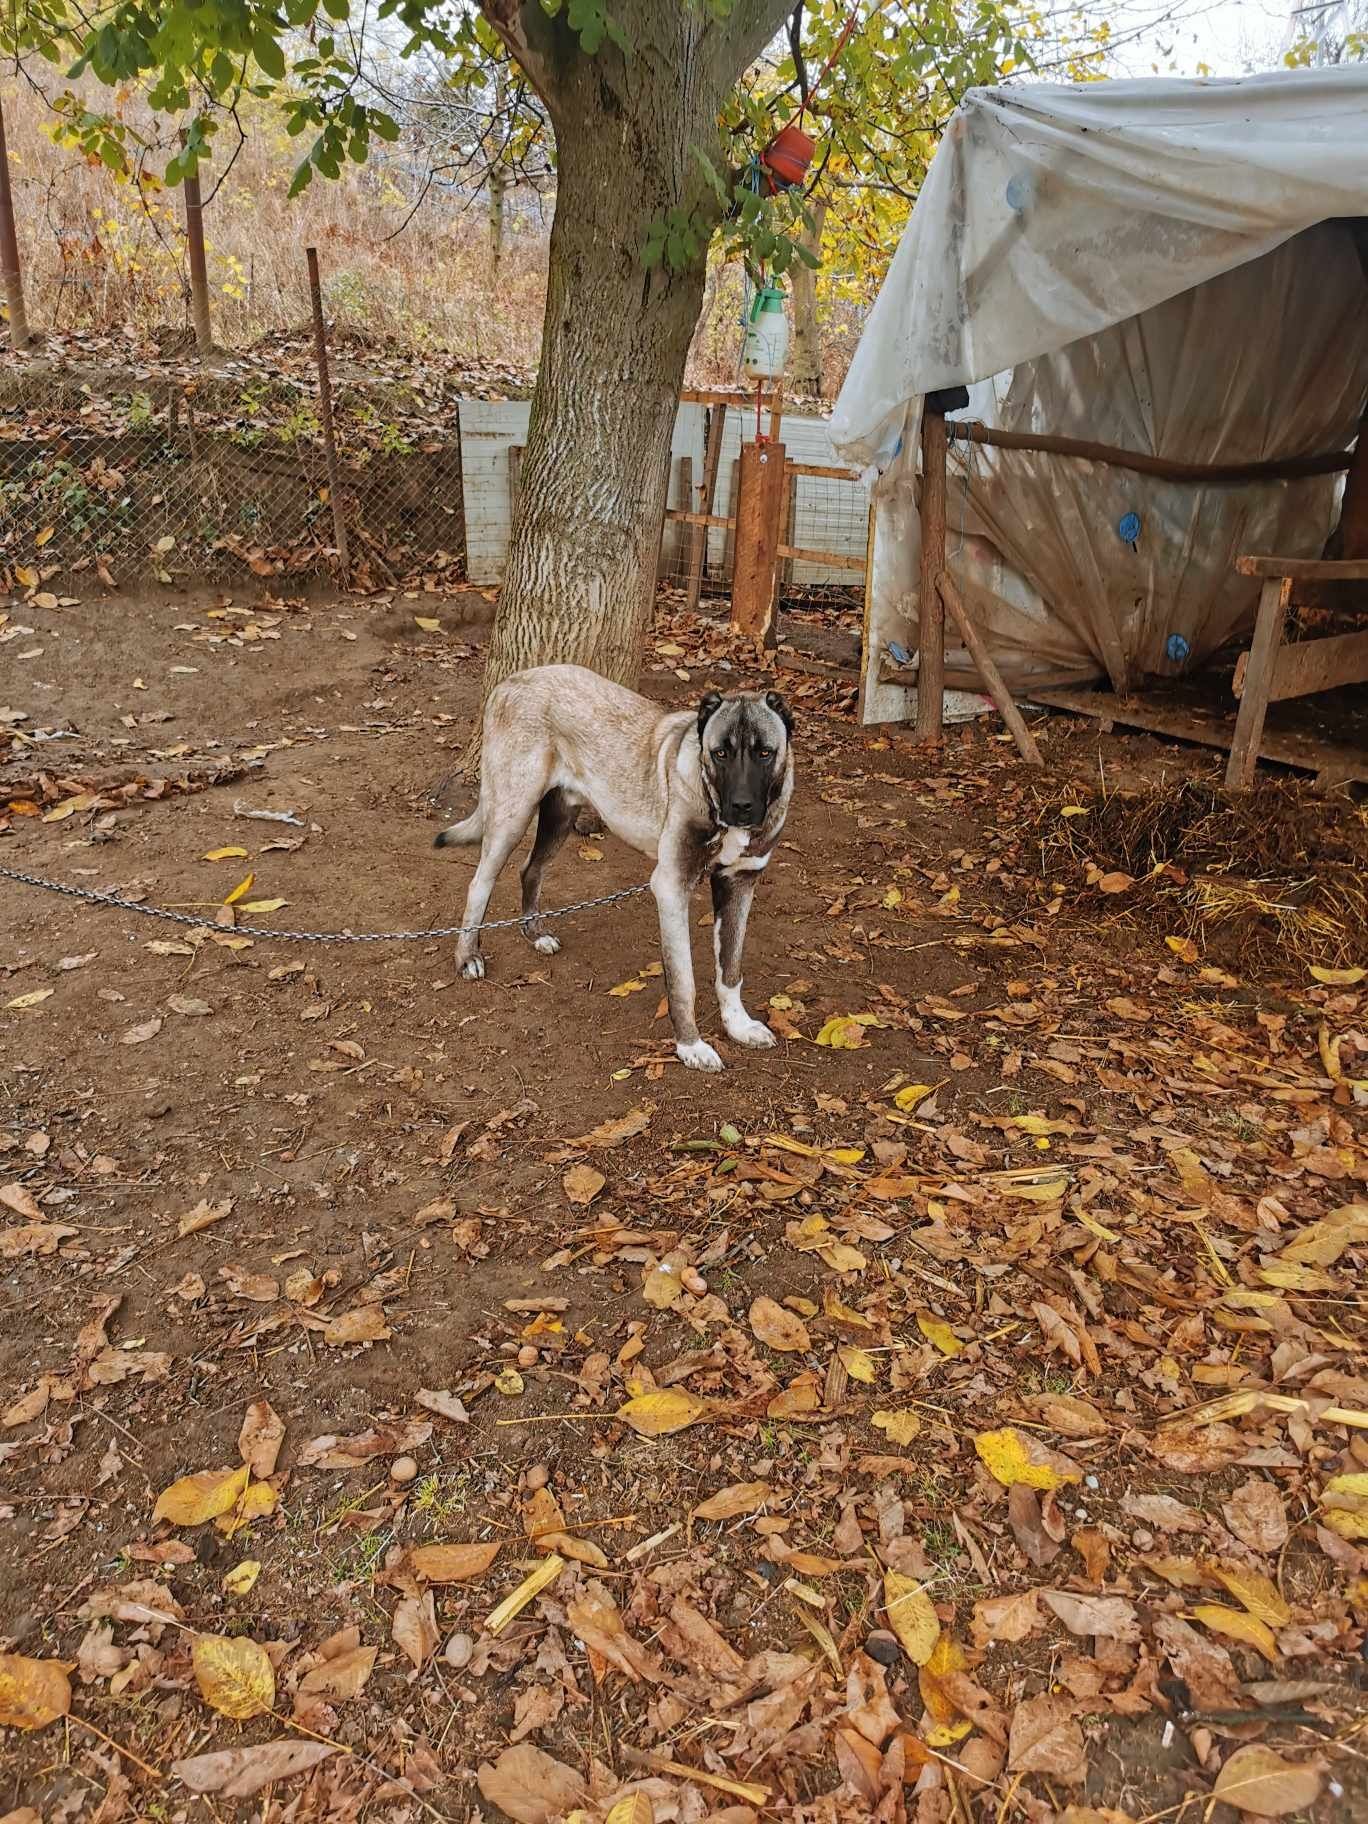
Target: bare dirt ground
{"type": "Point", "coordinates": [850, 1408]}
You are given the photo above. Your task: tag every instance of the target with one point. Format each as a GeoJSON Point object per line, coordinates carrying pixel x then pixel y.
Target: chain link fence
{"type": "Point", "coordinates": [138, 472]}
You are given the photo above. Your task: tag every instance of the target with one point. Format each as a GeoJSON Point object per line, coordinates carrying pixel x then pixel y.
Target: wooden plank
{"type": "Point", "coordinates": [677, 516]}
{"type": "Point", "coordinates": [729, 536]}
{"type": "Point", "coordinates": [1263, 656]}
{"type": "Point", "coordinates": [684, 539]}
{"type": "Point", "coordinates": [931, 635]}
{"type": "Point", "coordinates": [1334, 762]}
{"type": "Point", "coordinates": [824, 471]}
{"type": "Point", "coordinates": [718, 396]}
{"type": "Point", "coordinates": [1139, 462]}
{"type": "Point", "coordinates": [1305, 569]}
{"type": "Point", "coordinates": [757, 538]}
{"type": "Point", "coordinates": [833, 560]}
{"type": "Point", "coordinates": [988, 671]}
{"type": "Point", "coordinates": [714, 432]}
{"type": "Point", "coordinates": [788, 520]}
{"type": "Point", "coordinates": [1312, 665]}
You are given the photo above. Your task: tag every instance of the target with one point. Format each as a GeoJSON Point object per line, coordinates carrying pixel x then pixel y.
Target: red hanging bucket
{"type": "Point", "coordinates": [788, 156]}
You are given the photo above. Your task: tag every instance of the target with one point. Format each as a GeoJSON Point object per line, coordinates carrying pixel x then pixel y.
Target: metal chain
{"type": "Point", "coordinates": [309, 937]}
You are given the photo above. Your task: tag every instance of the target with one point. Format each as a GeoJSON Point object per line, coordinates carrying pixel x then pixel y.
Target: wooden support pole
{"type": "Point", "coordinates": [9, 253]}
{"type": "Point", "coordinates": [325, 412]}
{"type": "Point", "coordinates": [757, 538]}
{"type": "Point", "coordinates": [931, 633]}
{"type": "Point", "coordinates": [1263, 659]}
{"type": "Point", "coordinates": [683, 545]}
{"type": "Point", "coordinates": [714, 428]}
{"type": "Point", "coordinates": [199, 272]}
{"type": "Point", "coordinates": [788, 526]}
{"type": "Point", "coordinates": [988, 671]}
{"type": "Point", "coordinates": [1354, 511]}
{"type": "Point", "coordinates": [733, 499]}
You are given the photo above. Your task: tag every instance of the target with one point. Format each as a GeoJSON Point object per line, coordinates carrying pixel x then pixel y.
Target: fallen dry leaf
{"type": "Point", "coordinates": [452, 1563]}
{"type": "Point", "coordinates": [202, 1216]}
{"type": "Point", "coordinates": [731, 1502]}
{"type": "Point", "coordinates": [532, 1787]}
{"type": "Point", "coordinates": [1256, 1516]}
{"type": "Point", "coordinates": [240, 1773]}
{"type": "Point", "coordinates": [259, 1441]}
{"type": "Point", "coordinates": [195, 1500]}
{"type": "Point", "coordinates": [415, 1628]}
{"type": "Point", "coordinates": [366, 1324]}
{"type": "Point", "coordinates": [1047, 1739]}
{"type": "Point", "coordinates": [338, 1679]}
{"type": "Point", "coordinates": [33, 1238]}
{"type": "Point", "coordinates": [1257, 1779]}
{"type": "Point", "coordinates": [235, 1676]}
{"type": "Point", "coordinates": [582, 1184]}
{"type": "Point", "coordinates": [777, 1328]}
{"type": "Point", "coordinates": [661, 1411]}
{"type": "Point", "coordinates": [15, 1197]}
{"type": "Point", "coordinates": [33, 1692]}
{"type": "Point", "coordinates": [911, 1616]}
{"type": "Point", "coordinates": [1012, 1457]}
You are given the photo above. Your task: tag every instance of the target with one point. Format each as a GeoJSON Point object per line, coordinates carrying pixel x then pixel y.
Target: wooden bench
{"type": "Point", "coordinates": [1271, 672]}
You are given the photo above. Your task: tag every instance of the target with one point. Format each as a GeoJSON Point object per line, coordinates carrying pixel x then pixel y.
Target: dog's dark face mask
{"type": "Point", "coordinates": [744, 751]}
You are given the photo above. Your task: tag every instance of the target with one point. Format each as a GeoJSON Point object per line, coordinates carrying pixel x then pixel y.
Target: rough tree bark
{"type": "Point", "coordinates": [579, 580]}
{"type": "Point", "coordinates": [805, 363]}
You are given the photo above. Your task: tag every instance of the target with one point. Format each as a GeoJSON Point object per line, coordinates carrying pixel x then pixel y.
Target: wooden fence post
{"type": "Point", "coordinates": [199, 273]}
{"type": "Point", "coordinates": [931, 634]}
{"type": "Point", "coordinates": [716, 425]}
{"type": "Point", "coordinates": [9, 253]}
{"type": "Point", "coordinates": [757, 538]}
{"type": "Point", "coordinates": [325, 412]}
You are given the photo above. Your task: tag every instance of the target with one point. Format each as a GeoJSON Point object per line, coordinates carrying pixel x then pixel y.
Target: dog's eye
{"type": "Point", "coordinates": [764, 753]}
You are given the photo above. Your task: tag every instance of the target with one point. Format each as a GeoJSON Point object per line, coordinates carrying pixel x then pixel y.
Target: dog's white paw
{"type": "Point", "coordinates": [547, 945]}
{"type": "Point", "coordinates": [699, 1056]}
{"type": "Point", "coordinates": [747, 1031]}
{"type": "Point", "coordinates": [474, 970]}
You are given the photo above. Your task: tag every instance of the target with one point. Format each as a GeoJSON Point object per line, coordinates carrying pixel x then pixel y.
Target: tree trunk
{"type": "Point", "coordinates": [805, 363]}
{"type": "Point", "coordinates": [9, 254]}
{"type": "Point", "coordinates": [580, 578]}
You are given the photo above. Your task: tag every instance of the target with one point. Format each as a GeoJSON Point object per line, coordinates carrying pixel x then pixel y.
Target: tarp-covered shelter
{"type": "Point", "coordinates": [1174, 272]}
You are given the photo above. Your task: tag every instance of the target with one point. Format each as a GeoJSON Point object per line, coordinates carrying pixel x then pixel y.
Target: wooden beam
{"type": "Point", "coordinates": [931, 636]}
{"type": "Point", "coordinates": [679, 517]}
{"type": "Point", "coordinates": [716, 396]}
{"type": "Point", "coordinates": [988, 671]}
{"type": "Point", "coordinates": [1354, 509]}
{"type": "Point", "coordinates": [830, 560]}
{"type": "Point", "coordinates": [1305, 569]}
{"type": "Point", "coordinates": [1228, 474]}
{"type": "Point", "coordinates": [1312, 665]}
{"type": "Point", "coordinates": [707, 490]}
{"type": "Point", "coordinates": [1263, 656]}
{"type": "Point", "coordinates": [824, 471]}
{"type": "Point", "coordinates": [757, 538]}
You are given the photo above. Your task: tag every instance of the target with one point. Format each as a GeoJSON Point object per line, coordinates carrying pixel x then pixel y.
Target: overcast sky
{"type": "Point", "coordinates": [1231, 36]}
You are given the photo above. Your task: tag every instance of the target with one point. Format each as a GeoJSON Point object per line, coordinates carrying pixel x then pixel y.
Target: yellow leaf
{"type": "Point", "coordinates": [193, 1500]}
{"type": "Point", "coordinates": [729, 1503]}
{"type": "Point", "coordinates": [243, 886]}
{"type": "Point", "coordinates": [43, 537]}
{"type": "Point", "coordinates": [235, 1677]}
{"type": "Point", "coordinates": [1033, 1184]}
{"type": "Point", "coordinates": [843, 1155]}
{"type": "Point", "coordinates": [1259, 1594]}
{"type": "Point", "coordinates": [452, 1563]}
{"type": "Point", "coordinates": [1354, 1484]}
{"type": "Point", "coordinates": [1322, 1242]}
{"type": "Point", "coordinates": [25, 576]}
{"type": "Point", "coordinates": [164, 544]}
{"type": "Point", "coordinates": [1339, 978]}
{"type": "Point", "coordinates": [531, 1586]}
{"type": "Point", "coordinates": [1073, 810]}
{"type": "Point", "coordinates": [427, 624]}
{"type": "Point", "coordinates": [264, 905]}
{"type": "Point", "coordinates": [661, 1411]}
{"type": "Point", "coordinates": [227, 854]}
{"type": "Point", "coordinates": [1007, 1457]}
{"type": "Point", "coordinates": [1184, 949]}
{"type": "Point", "coordinates": [842, 1032]}
{"type": "Point", "coordinates": [1257, 1779]}
{"type": "Point", "coordinates": [31, 999]}
{"type": "Point", "coordinates": [911, 1094]}
{"type": "Point", "coordinates": [799, 1400]}
{"type": "Point", "coordinates": [1349, 1523]}
{"type": "Point", "coordinates": [892, 899]}
{"type": "Point", "coordinates": [859, 1364]}
{"type": "Point", "coordinates": [636, 1808]}
{"type": "Point", "coordinates": [625, 988]}
{"type": "Point", "coordinates": [241, 1578]}
{"type": "Point", "coordinates": [1293, 1276]}
{"type": "Point", "coordinates": [897, 1427]}
{"type": "Point", "coordinates": [259, 1500]}
{"type": "Point", "coordinates": [1235, 1624]}
{"type": "Point", "coordinates": [509, 1383]}
{"type": "Point", "coordinates": [945, 1735]}
{"type": "Point", "coordinates": [1038, 1125]}
{"type": "Point", "coordinates": [33, 1692]}
{"type": "Point", "coordinates": [68, 807]}
{"type": "Point", "coordinates": [911, 1616]}
{"type": "Point", "coordinates": [937, 1331]}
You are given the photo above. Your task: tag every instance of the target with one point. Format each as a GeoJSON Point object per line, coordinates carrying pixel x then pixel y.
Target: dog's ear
{"type": "Point", "coordinates": [781, 709]}
{"type": "Point", "coordinates": [707, 708]}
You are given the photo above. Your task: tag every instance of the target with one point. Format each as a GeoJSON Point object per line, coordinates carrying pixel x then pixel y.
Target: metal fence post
{"type": "Point", "coordinates": [9, 253]}
{"type": "Point", "coordinates": [325, 411]}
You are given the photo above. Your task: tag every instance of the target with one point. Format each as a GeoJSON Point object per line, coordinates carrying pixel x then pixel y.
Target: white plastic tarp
{"type": "Point", "coordinates": [1160, 266]}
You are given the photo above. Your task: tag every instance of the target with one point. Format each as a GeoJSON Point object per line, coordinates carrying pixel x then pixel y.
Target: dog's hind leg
{"type": "Point", "coordinates": [500, 840]}
{"type": "Point", "coordinates": [555, 820]}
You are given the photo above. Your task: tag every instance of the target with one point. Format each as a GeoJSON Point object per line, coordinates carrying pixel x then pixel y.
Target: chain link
{"type": "Point", "coordinates": [308, 937]}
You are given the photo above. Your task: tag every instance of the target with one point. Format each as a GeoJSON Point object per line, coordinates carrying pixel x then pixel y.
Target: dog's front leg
{"type": "Point", "coordinates": [671, 887]}
{"type": "Point", "coordinates": [731, 897]}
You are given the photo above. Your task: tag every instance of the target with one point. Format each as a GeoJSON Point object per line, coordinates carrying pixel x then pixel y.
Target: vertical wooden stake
{"type": "Point", "coordinates": [931, 636]}
{"type": "Point", "coordinates": [199, 272]}
{"type": "Point", "coordinates": [9, 253]}
{"type": "Point", "coordinates": [325, 412]}
{"type": "Point", "coordinates": [729, 536]}
{"type": "Point", "coordinates": [988, 671]}
{"type": "Point", "coordinates": [683, 541]}
{"type": "Point", "coordinates": [757, 538]}
{"type": "Point", "coordinates": [1258, 680]}
{"type": "Point", "coordinates": [715, 427]}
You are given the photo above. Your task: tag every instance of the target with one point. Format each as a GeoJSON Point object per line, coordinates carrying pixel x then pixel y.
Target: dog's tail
{"type": "Point", "coordinates": [471, 830]}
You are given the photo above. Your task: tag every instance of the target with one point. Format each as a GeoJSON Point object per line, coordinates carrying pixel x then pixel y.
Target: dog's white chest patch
{"type": "Point", "coordinates": [734, 845]}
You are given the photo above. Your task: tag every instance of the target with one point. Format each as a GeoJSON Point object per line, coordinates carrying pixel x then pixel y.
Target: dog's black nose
{"type": "Point", "coordinates": [742, 811]}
